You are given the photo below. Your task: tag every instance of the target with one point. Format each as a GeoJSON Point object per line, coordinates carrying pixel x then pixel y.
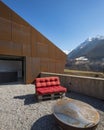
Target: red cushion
{"type": "Point", "coordinates": [59, 89]}
{"type": "Point", "coordinates": [47, 81]}
{"type": "Point", "coordinates": [47, 90]}
{"type": "Point", "coordinates": [41, 85]}
{"type": "Point", "coordinates": [40, 82]}
{"type": "Point", "coordinates": [53, 83]}
{"type": "Point", "coordinates": [48, 85]}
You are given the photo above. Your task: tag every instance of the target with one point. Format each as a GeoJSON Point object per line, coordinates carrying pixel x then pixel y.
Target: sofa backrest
{"type": "Point", "coordinates": [47, 82]}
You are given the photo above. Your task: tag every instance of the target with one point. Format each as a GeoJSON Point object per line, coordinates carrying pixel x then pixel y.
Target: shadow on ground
{"type": "Point", "coordinates": [28, 99]}
{"type": "Point", "coordinates": [96, 103]}
{"type": "Point", "coordinates": [46, 122]}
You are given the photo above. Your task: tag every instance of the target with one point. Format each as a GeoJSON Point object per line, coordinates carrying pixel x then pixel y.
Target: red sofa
{"type": "Point", "coordinates": [49, 86]}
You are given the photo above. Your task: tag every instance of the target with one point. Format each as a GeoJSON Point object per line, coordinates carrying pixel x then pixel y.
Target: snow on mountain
{"type": "Point", "coordinates": [66, 52]}
{"type": "Point", "coordinates": [90, 48]}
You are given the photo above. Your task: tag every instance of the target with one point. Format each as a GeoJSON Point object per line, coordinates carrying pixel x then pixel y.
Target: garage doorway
{"type": "Point", "coordinates": [12, 69]}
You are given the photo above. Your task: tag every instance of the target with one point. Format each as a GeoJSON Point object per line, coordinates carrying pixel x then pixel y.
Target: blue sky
{"type": "Point", "coordinates": [66, 23]}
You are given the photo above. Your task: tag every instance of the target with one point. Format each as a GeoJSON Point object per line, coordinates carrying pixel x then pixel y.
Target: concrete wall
{"type": "Point", "coordinates": [86, 85]}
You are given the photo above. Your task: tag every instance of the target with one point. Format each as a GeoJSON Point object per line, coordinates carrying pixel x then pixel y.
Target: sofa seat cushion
{"type": "Point", "coordinates": [59, 89]}
{"type": "Point", "coordinates": [50, 90]}
{"type": "Point", "coordinates": [45, 90]}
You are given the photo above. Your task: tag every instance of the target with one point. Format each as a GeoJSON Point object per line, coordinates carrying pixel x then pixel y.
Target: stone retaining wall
{"type": "Point", "coordinates": [81, 84]}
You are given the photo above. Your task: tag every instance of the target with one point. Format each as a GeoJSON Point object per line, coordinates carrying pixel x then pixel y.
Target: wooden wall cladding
{"type": "Point", "coordinates": [5, 29]}
{"type": "Point", "coordinates": [4, 47]}
{"type": "Point", "coordinates": [28, 70]}
{"type": "Point", "coordinates": [52, 52]}
{"type": "Point", "coordinates": [18, 38]}
{"type": "Point", "coordinates": [52, 66]}
{"type": "Point", "coordinates": [5, 12]}
{"type": "Point", "coordinates": [17, 19]}
{"type": "Point", "coordinates": [58, 56]}
{"type": "Point", "coordinates": [59, 66]}
{"type": "Point", "coordinates": [40, 37]}
{"type": "Point", "coordinates": [35, 67]}
{"type": "Point", "coordinates": [26, 50]}
{"type": "Point", "coordinates": [20, 33]}
{"type": "Point", "coordinates": [17, 35]}
{"type": "Point", "coordinates": [33, 42]}
{"type": "Point", "coordinates": [9, 48]}
{"type": "Point", "coordinates": [42, 50]}
{"type": "Point", "coordinates": [15, 49]}
{"type": "Point", "coordinates": [44, 65]}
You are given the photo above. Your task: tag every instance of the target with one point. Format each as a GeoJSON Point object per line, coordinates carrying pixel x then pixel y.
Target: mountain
{"type": "Point", "coordinates": [91, 48]}
{"type": "Point", "coordinates": [89, 55]}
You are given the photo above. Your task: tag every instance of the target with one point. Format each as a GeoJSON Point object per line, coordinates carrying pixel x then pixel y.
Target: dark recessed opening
{"type": "Point", "coordinates": [12, 69]}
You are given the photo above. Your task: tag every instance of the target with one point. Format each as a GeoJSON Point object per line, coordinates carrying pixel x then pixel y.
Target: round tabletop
{"type": "Point", "coordinates": [75, 113]}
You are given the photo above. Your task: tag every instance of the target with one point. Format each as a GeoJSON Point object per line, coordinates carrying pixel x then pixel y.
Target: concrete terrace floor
{"type": "Point", "coordinates": [19, 109]}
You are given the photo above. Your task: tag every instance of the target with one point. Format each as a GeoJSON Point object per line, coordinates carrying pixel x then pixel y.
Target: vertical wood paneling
{"type": "Point", "coordinates": [42, 50]}
{"type": "Point", "coordinates": [18, 38]}
{"type": "Point", "coordinates": [5, 12]}
{"type": "Point", "coordinates": [44, 64]}
{"type": "Point", "coordinates": [28, 70]}
{"type": "Point", "coordinates": [35, 67]}
{"type": "Point", "coordinates": [5, 29]}
{"type": "Point", "coordinates": [52, 66]}
{"type": "Point", "coordinates": [34, 42]}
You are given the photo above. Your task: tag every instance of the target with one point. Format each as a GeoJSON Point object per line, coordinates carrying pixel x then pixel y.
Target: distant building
{"type": "Point", "coordinates": [25, 52]}
{"type": "Point", "coordinates": [82, 58]}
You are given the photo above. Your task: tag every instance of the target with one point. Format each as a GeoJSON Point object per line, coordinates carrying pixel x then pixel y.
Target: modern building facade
{"type": "Point", "coordinates": [24, 51]}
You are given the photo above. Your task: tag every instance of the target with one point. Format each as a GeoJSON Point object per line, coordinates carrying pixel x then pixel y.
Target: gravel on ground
{"type": "Point", "coordinates": [20, 110]}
